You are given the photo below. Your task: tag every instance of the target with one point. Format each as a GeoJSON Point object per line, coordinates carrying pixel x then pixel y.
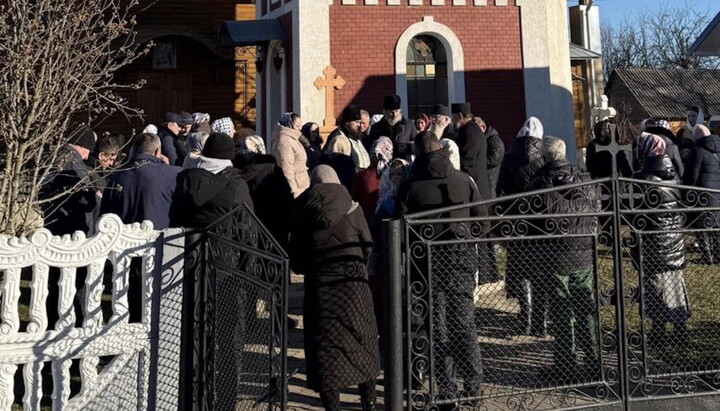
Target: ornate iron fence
{"type": "Point", "coordinates": [597, 294]}
{"type": "Point", "coordinates": [237, 356]}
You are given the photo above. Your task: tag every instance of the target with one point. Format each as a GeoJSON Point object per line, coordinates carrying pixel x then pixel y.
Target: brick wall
{"type": "Point", "coordinates": [363, 39]}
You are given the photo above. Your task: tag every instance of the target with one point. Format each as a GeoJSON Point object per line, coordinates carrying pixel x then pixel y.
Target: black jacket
{"type": "Point", "coordinates": [519, 166]}
{"type": "Point", "coordinates": [704, 171]}
{"type": "Point", "coordinates": [75, 200]}
{"type": "Point", "coordinates": [201, 198]}
{"type": "Point", "coordinates": [671, 150]}
{"type": "Point", "coordinates": [343, 165]}
{"type": "Point", "coordinates": [331, 246]}
{"type": "Point", "coordinates": [660, 252]}
{"type": "Point", "coordinates": [599, 163]}
{"type": "Point", "coordinates": [168, 141]}
{"type": "Point", "coordinates": [270, 193]}
{"type": "Point", "coordinates": [402, 135]}
{"type": "Point", "coordinates": [143, 192]}
{"type": "Point", "coordinates": [495, 154]}
{"type": "Point", "coordinates": [472, 143]}
{"type": "Point", "coordinates": [562, 254]}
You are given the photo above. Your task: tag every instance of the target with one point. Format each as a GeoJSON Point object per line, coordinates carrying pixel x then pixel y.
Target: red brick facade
{"type": "Point", "coordinates": [362, 48]}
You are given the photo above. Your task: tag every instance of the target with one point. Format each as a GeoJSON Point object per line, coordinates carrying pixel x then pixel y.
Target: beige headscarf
{"type": "Point", "coordinates": [324, 174]}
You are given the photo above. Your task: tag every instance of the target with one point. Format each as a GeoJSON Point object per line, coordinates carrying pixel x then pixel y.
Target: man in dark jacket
{"type": "Point", "coordinates": [442, 125]}
{"type": "Point", "coordinates": [211, 188]}
{"type": "Point", "coordinates": [143, 191]}
{"type": "Point", "coordinates": [567, 264]}
{"type": "Point", "coordinates": [168, 132]}
{"type": "Point", "coordinates": [473, 147]}
{"type": "Point", "coordinates": [396, 127]}
{"type": "Point", "coordinates": [435, 184]}
{"type": "Point", "coordinates": [495, 153]}
{"type": "Point", "coordinates": [70, 191]}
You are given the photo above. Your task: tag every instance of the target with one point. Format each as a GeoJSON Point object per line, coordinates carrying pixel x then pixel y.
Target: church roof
{"type": "Point", "coordinates": [668, 92]}
{"type": "Point", "coordinates": [708, 43]}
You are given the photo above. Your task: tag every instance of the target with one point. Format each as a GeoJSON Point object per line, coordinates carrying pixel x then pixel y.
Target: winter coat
{"type": "Point", "coordinates": [343, 165]}
{"type": "Point", "coordinates": [201, 198]}
{"type": "Point", "coordinates": [292, 158]}
{"type": "Point", "coordinates": [331, 246]}
{"type": "Point", "coordinates": [564, 254]}
{"type": "Point", "coordinates": [142, 192]}
{"type": "Point", "coordinates": [75, 208]}
{"type": "Point", "coordinates": [168, 144]}
{"type": "Point", "coordinates": [704, 171]}
{"type": "Point", "coordinates": [685, 143]}
{"type": "Point", "coordinates": [472, 143]}
{"type": "Point", "coordinates": [270, 193]}
{"type": "Point", "coordinates": [402, 135]}
{"type": "Point", "coordinates": [366, 190]}
{"type": "Point", "coordinates": [660, 252]}
{"type": "Point", "coordinates": [671, 150]}
{"type": "Point", "coordinates": [495, 154]}
{"type": "Point", "coordinates": [599, 163]}
{"type": "Point", "coordinates": [519, 166]}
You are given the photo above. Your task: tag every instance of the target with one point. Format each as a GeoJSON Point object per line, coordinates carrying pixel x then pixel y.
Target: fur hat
{"type": "Point", "coordinates": [391, 102]}
{"type": "Point", "coordinates": [350, 113]}
{"type": "Point", "coordinates": [461, 108]}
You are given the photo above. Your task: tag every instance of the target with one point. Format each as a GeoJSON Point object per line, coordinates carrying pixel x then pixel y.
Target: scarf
{"type": "Point", "coordinates": [286, 120]}
{"type": "Point", "coordinates": [382, 152]}
{"type": "Point", "coordinates": [200, 118]}
{"type": "Point", "coordinates": [388, 189]}
{"type": "Point", "coordinates": [213, 165]}
{"type": "Point", "coordinates": [222, 125]}
{"type": "Point", "coordinates": [653, 146]}
{"type": "Point", "coordinates": [532, 128]}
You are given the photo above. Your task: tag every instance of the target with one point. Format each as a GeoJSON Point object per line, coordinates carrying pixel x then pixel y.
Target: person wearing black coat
{"type": "Point", "coordinates": [519, 166]}
{"type": "Point", "coordinates": [434, 184]}
{"type": "Point", "coordinates": [169, 133]}
{"type": "Point", "coordinates": [660, 257]}
{"type": "Point", "coordinates": [144, 190]}
{"type": "Point", "coordinates": [396, 127]}
{"type": "Point", "coordinates": [210, 188]}
{"type": "Point", "coordinates": [331, 246]}
{"type": "Point", "coordinates": [567, 269]}
{"type": "Point", "coordinates": [704, 171]}
{"type": "Point", "coordinates": [598, 162]}
{"type": "Point", "coordinates": [661, 128]}
{"type": "Point", "coordinates": [495, 154]}
{"type": "Point", "coordinates": [472, 143]}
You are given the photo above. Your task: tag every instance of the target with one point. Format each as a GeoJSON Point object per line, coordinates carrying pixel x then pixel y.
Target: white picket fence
{"type": "Point", "coordinates": [126, 382]}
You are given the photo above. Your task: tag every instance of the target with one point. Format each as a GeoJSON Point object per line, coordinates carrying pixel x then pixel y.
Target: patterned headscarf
{"type": "Point", "coordinates": [254, 144]}
{"type": "Point", "coordinates": [653, 146]}
{"type": "Point", "coordinates": [286, 120]}
{"type": "Point", "coordinates": [382, 151]}
{"type": "Point", "coordinates": [200, 118]}
{"type": "Point", "coordinates": [532, 128]}
{"type": "Point", "coordinates": [223, 125]}
{"type": "Point", "coordinates": [388, 188]}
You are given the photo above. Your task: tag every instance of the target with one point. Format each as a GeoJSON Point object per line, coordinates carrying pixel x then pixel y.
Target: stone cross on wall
{"type": "Point", "coordinates": [614, 148]}
{"type": "Point", "coordinates": [331, 82]}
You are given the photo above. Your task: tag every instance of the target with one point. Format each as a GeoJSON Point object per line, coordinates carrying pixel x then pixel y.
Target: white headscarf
{"type": "Point", "coordinates": [532, 128]}
{"type": "Point", "coordinates": [454, 152]}
{"type": "Point", "coordinates": [150, 128]}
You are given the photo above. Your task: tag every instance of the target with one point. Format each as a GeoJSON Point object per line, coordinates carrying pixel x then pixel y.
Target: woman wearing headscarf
{"type": "Point", "coordinates": [330, 246]}
{"type": "Point", "coordinates": [422, 122]}
{"type": "Point", "coordinates": [660, 128]}
{"type": "Point", "coordinates": [704, 171]}
{"type": "Point", "coordinates": [660, 257]}
{"type": "Point", "coordinates": [194, 146]}
{"type": "Point", "coordinates": [290, 154]}
{"type": "Point", "coordinates": [223, 125]}
{"type": "Point", "coordinates": [201, 122]}
{"type": "Point", "coordinates": [519, 166]}
{"type": "Point", "coordinates": [312, 141]}
{"type": "Point", "coordinates": [366, 183]}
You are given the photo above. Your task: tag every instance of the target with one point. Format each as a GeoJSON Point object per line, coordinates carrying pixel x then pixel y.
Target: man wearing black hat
{"type": "Point", "coordinates": [168, 133]}
{"type": "Point", "coordinates": [144, 190]}
{"type": "Point", "coordinates": [211, 189]}
{"type": "Point", "coordinates": [472, 143]}
{"type": "Point", "coordinates": [71, 189]}
{"type": "Point", "coordinates": [186, 123]}
{"type": "Point", "coordinates": [442, 122]}
{"type": "Point", "coordinates": [349, 128]}
{"type": "Point", "coordinates": [396, 127]}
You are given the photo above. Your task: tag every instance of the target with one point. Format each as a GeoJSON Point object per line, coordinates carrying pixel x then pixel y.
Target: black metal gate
{"type": "Point", "coordinates": [235, 342]}
{"type": "Point", "coordinates": [603, 294]}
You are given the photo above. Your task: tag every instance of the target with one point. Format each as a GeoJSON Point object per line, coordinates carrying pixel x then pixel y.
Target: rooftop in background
{"type": "Point", "coordinates": [708, 43]}
{"type": "Point", "coordinates": [666, 93]}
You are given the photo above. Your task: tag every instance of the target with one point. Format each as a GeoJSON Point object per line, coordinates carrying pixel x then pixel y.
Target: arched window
{"type": "Point", "coordinates": [427, 74]}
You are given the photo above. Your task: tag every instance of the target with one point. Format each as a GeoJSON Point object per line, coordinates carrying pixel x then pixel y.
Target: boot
{"type": "Point", "coordinates": [368, 398]}
{"type": "Point", "coordinates": [525, 315]}
{"type": "Point", "coordinates": [369, 404]}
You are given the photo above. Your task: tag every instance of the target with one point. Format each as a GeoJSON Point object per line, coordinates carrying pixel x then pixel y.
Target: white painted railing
{"type": "Point", "coordinates": [124, 383]}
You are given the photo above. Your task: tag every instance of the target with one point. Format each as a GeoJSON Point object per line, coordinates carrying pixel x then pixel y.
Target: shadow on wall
{"type": "Point", "coordinates": [498, 96]}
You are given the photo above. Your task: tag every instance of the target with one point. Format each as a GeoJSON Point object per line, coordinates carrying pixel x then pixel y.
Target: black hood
{"type": "Point", "coordinates": [327, 204]}
{"type": "Point", "coordinates": [198, 186]}
{"type": "Point", "coordinates": [560, 173]}
{"type": "Point", "coordinates": [491, 132]}
{"type": "Point", "coordinates": [710, 143]}
{"type": "Point", "coordinates": [435, 164]}
{"type": "Point", "coordinates": [660, 166]}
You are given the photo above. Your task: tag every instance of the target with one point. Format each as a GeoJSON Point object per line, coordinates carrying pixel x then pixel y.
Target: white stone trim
{"type": "Point", "coordinates": [351, 2]}
{"type": "Point", "coordinates": [371, 2]}
{"type": "Point", "coordinates": [501, 2]}
{"type": "Point", "coordinates": [393, 2]}
{"type": "Point", "coordinates": [480, 2]}
{"type": "Point", "coordinates": [416, 2]}
{"type": "Point", "coordinates": [456, 59]}
{"type": "Point", "coordinates": [437, 2]}
{"type": "Point", "coordinates": [459, 2]}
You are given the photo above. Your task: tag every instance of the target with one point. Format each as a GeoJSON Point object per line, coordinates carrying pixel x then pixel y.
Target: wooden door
{"type": "Point", "coordinates": [163, 92]}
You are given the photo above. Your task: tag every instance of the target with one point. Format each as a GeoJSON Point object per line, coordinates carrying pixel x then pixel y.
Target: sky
{"type": "Point", "coordinates": [615, 11]}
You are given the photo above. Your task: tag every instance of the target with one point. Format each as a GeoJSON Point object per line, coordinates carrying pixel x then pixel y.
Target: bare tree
{"type": "Point", "coordinates": [656, 38]}
{"type": "Point", "coordinates": [57, 60]}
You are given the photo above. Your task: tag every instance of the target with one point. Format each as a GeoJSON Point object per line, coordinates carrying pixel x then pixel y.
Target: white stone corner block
{"type": "Point", "coordinates": [348, 2]}
{"type": "Point", "coordinates": [480, 2]}
{"type": "Point", "coordinates": [459, 2]}
{"type": "Point", "coordinates": [393, 2]}
{"type": "Point", "coordinates": [371, 2]}
{"type": "Point", "coordinates": [501, 2]}
{"type": "Point", "coordinates": [437, 2]}
{"type": "Point", "coordinates": [416, 2]}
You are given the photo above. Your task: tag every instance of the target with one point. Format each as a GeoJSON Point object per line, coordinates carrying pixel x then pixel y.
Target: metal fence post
{"type": "Point", "coordinates": [392, 234]}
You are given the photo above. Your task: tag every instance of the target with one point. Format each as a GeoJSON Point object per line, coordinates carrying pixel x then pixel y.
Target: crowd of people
{"type": "Point", "coordinates": [324, 200]}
